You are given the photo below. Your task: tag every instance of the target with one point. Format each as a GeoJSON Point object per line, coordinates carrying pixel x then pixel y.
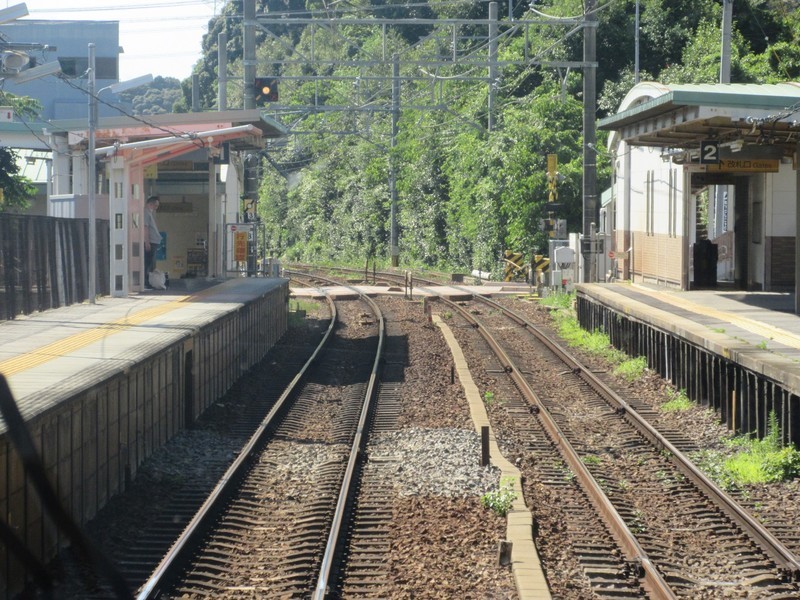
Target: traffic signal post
{"type": "Point", "coordinates": [265, 90]}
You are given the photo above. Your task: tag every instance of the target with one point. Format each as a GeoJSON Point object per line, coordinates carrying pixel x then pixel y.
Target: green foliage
{"type": "Point", "coordinates": [754, 462]}
{"type": "Point", "coordinates": [464, 193]}
{"type": "Point", "coordinates": [678, 401]}
{"type": "Point", "coordinates": [502, 499]}
{"type": "Point", "coordinates": [17, 190]}
{"type": "Point", "coordinates": [632, 368]}
{"type": "Point", "coordinates": [159, 96]}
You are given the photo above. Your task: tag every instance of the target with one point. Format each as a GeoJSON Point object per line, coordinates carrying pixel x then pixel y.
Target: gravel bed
{"type": "Point", "coordinates": [435, 462]}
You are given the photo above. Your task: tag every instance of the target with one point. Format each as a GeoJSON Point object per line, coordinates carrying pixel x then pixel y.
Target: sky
{"type": "Point", "coordinates": [160, 37]}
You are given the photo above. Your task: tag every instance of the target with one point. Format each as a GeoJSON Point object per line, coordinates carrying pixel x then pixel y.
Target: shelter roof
{"type": "Point", "coordinates": [129, 129]}
{"type": "Point", "coordinates": [681, 116]}
{"type": "Point", "coordinates": [125, 129]}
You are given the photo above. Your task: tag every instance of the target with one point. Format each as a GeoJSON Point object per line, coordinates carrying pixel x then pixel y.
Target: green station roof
{"type": "Point", "coordinates": [679, 116]}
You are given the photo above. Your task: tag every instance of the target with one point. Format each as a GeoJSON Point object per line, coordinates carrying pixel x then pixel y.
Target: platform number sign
{"type": "Point", "coordinates": [709, 152]}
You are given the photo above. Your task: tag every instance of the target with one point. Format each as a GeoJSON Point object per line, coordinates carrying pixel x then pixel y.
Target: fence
{"type": "Point", "coordinates": [44, 263]}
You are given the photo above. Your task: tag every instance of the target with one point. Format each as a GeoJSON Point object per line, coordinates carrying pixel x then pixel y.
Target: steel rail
{"type": "Point", "coordinates": [356, 455]}
{"type": "Point", "coordinates": [652, 581]}
{"type": "Point", "coordinates": [785, 559]}
{"type": "Point", "coordinates": [164, 572]}
{"type": "Point", "coordinates": [787, 562]}
{"type": "Point", "coordinates": [354, 462]}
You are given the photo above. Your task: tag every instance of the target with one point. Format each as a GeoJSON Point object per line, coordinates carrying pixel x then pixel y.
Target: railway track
{"type": "Point", "coordinates": [630, 474]}
{"type": "Point", "coordinates": [282, 503]}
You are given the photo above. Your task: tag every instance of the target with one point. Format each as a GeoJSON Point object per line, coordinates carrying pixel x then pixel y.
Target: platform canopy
{"type": "Point", "coordinates": [735, 115]}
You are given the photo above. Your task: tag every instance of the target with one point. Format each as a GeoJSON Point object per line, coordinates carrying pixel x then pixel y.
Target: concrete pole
{"type": "Point", "coordinates": [222, 76]}
{"type": "Point", "coordinates": [249, 61]}
{"type": "Point", "coordinates": [195, 92]}
{"type": "Point", "coordinates": [797, 228]}
{"type": "Point", "coordinates": [395, 250]}
{"type": "Point", "coordinates": [591, 214]}
{"type": "Point", "coordinates": [213, 217]}
{"type": "Point", "coordinates": [492, 62]}
{"type": "Point", "coordinates": [725, 57]}
{"type": "Point", "coordinates": [636, 46]}
{"type": "Point", "coordinates": [92, 176]}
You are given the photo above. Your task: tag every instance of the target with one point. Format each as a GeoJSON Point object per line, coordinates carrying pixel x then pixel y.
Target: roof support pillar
{"type": "Point", "coordinates": [797, 229]}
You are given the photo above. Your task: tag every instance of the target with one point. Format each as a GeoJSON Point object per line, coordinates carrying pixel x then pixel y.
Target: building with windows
{"type": "Point", "coordinates": [68, 43]}
{"type": "Point", "coordinates": [706, 185]}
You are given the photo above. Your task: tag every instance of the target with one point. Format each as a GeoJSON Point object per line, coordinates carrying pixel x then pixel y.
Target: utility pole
{"type": "Point", "coordinates": [636, 46]}
{"type": "Point", "coordinates": [249, 61]}
{"type": "Point", "coordinates": [392, 175]}
{"type": "Point", "coordinates": [725, 58]}
{"type": "Point", "coordinates": [492, 62]}
{"type": "Point", "coordinates": [222, 71]}
{"type": "Point", "coordinates": [92, 176]}
{"type": "Point", "coordinates": [590, 211]}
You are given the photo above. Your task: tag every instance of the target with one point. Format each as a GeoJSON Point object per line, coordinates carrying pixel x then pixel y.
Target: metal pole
{"type": "Point", "coordinates": [222, 76]}
{"type": "Point", "coordinates": [590, 212]}
{"type": "Point", "coordinates": [249, 34]}
{"type": "Point", "coordinates": [392, 176]}
{"type": "Point", "coordinates": [636, 44]}
{"type": "Point", "coordinates": [492, 62]}
{"type": "Point", "coordinates": [92, 176]}
{"type": "Point", "coordinates": [725, 59]}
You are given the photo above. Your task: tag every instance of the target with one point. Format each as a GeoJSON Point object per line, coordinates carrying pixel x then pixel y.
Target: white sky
{"type": "Point", "coordinates": [160, 37]}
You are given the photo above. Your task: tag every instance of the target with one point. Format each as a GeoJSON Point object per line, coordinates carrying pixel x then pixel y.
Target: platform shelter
{"type": "Point", "coordinates": [705, 186]}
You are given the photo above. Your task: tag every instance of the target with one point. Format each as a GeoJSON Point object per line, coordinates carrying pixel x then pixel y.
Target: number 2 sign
{"type": "Point", "coordinates": [709, 152]}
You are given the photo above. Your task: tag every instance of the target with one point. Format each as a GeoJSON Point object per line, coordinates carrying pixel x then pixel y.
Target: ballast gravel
{"type": "Point", "coordinates": [434, 462]}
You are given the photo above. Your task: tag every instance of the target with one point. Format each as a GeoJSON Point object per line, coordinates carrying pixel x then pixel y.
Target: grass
{"type": "Point", "coordinates": [500, 500]}
{"type": "Point", "coordinates": [301, 307]}
{"type": "Point", "coordinates": [754, 461]}
{"type": "Point", "coordinates": [632, 368]}
{"type": "Point", "coordinates": [678, 401]}
{"type": "Point", "coordinates": [594, 342]}
{"type": "Point", "coordinates": [558, 300]}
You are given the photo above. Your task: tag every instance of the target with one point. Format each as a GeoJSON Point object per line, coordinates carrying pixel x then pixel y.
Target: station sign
{"type": "Point", "coordinates": [240, 246]}
{"type": "Point", "coordinates": [744, 165]}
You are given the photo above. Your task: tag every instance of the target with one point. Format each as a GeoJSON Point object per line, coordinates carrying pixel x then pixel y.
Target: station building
{"type": "Point", "coordinates": [203, 165]}
{"type": "Point", "coordinates": [705, 186]}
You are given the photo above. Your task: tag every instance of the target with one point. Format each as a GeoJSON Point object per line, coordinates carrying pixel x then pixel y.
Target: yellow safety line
{"type": "Point", "coordinates": [764, 329]}
{"type": "Point", "coordinates": [54, 350]}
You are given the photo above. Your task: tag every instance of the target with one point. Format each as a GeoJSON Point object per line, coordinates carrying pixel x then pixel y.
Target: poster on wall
{"type": "Point", "coordinates": [161, 253]}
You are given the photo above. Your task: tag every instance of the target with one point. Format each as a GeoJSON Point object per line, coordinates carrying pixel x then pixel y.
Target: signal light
{"type": "Point", "coordinates": [265, 90]}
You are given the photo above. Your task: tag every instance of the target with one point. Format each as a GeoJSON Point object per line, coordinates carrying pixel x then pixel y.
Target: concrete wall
{"type": "Point", "coordinates": [653, 205]}
{"type": "Point", "coordinates": [94, 442]}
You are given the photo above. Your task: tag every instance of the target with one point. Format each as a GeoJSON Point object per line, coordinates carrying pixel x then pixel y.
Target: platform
{"type": "Point", "coordinates": [737, 352]}
{"type": "Point", "coordinates": [103, 386]}
{"type": "Point", "coordinates": [52, 355]}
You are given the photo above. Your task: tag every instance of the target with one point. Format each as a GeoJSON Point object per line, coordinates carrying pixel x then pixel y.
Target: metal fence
{"type": "Point", "coordinates": [44, 263]}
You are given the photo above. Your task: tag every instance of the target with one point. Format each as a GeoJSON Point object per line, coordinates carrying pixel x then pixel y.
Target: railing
{"type": "Point", "coordinates": [44, 263]}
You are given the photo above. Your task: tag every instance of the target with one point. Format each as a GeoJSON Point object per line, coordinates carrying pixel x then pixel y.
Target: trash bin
{"type": "Point", "coordinates": [705, 255]}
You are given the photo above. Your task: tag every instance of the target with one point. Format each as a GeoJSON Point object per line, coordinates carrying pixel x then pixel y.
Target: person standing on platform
{"type": "Point", "coordinates": [152, 239]}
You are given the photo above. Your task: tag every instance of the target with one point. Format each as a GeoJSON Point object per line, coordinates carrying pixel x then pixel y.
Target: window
{"type": "Point", "coordinates": [106, 67]}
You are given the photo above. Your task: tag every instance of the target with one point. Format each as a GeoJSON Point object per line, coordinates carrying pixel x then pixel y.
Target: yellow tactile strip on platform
{"type": "Point", "coordinates": [528, 574]}
{"type": "Point", "coordinates": [74, 342]}
{"type": "Point", "coordinates": [763, 329]}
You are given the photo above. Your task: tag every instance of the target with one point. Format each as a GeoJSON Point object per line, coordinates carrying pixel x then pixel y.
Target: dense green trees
{"type": "Point", "coordinates": [16, 191]}
{"type": "Point", "coordinates": [464, 193]}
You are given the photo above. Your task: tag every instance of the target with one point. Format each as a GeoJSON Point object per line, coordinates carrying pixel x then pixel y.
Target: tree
{"type": "Point", "coordinates": [16, 191]}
